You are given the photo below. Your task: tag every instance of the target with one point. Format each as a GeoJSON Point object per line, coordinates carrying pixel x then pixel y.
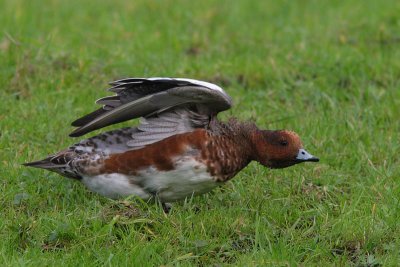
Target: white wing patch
{"type": "Point", "coordinates": [196, 82]}
{"type": "Point", "coordinates": [202, 83]}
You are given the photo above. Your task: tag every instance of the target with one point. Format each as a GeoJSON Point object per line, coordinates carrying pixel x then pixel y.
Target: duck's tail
{"type": "Point", "coordinates": [42, 164]}
{"type": "Point", "coordinates": [59, 163]}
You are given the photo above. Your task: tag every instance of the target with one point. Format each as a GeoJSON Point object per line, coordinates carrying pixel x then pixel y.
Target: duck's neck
{"type": "Point", "coordinates": [230, 148]}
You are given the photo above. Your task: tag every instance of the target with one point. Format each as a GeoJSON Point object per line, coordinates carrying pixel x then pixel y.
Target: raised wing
{"type": "Point", "coordinates": [168, 106]}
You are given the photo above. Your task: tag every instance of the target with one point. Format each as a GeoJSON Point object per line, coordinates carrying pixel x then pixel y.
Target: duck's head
{"type": "Point", "coordinates": [280, 149]}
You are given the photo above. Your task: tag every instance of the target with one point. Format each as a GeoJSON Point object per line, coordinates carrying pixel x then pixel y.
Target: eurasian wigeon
{"type": "Point", "coordinates": [179, 149]}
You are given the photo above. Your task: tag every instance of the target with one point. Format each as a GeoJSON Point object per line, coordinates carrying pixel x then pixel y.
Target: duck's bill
{"type": "Point", "coordinates": [303, 156]}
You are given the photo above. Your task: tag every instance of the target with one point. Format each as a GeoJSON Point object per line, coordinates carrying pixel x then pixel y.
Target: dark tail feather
{"type": "Point", "coordinates": [42, 164]}
{"type": "Point", "coordinates": [54, 167]}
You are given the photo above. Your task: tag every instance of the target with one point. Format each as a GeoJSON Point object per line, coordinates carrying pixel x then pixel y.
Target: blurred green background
{"type": "Point", "coordinates": [329, 70]}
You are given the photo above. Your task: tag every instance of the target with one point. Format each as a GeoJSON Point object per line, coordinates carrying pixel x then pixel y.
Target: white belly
{"type": "Point", "coordinates": [189, 178]}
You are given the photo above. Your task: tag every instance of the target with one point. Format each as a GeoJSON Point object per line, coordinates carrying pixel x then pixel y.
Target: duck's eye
{"type": "Point", "coordinates": [283, 143]}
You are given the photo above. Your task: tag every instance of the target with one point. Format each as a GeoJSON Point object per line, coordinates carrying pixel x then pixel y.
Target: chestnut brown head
{"type": "Point", "coordinates": [280, 149]}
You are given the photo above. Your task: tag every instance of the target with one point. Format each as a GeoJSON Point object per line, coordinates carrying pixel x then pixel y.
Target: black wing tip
{"type": "Point", "coordinates": [87, 118]}
{"type": "Point", "coordinates": [76, 133]}
{"type": "Point", "coordinates": [76, 123]}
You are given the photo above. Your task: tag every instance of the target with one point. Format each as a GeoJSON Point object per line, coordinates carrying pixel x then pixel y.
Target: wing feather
{"type": "Point", "coordinates": [140, 97]}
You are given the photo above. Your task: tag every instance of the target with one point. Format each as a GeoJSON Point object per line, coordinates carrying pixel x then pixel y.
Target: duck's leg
{"type": "Point", "coordinates": [166, 207]}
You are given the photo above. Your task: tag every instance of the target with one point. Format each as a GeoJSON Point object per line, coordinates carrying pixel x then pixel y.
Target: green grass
{"type": "Point", "coordinates": [329, 70]}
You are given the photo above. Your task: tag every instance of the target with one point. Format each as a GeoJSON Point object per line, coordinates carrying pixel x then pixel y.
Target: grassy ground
{"type": "Point", "coordinates": [329, 70]}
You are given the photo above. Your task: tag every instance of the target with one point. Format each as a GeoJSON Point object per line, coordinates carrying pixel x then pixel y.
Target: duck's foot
{"type": "Point", "coordinates": [166, 207]}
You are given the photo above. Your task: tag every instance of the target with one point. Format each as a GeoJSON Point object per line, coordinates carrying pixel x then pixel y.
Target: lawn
{"type": "Point", "coordinates": [329, 70]}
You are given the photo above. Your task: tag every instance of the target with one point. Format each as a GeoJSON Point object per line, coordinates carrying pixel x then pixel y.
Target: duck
{"type": "Point", "coordinates": [178, 149]}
